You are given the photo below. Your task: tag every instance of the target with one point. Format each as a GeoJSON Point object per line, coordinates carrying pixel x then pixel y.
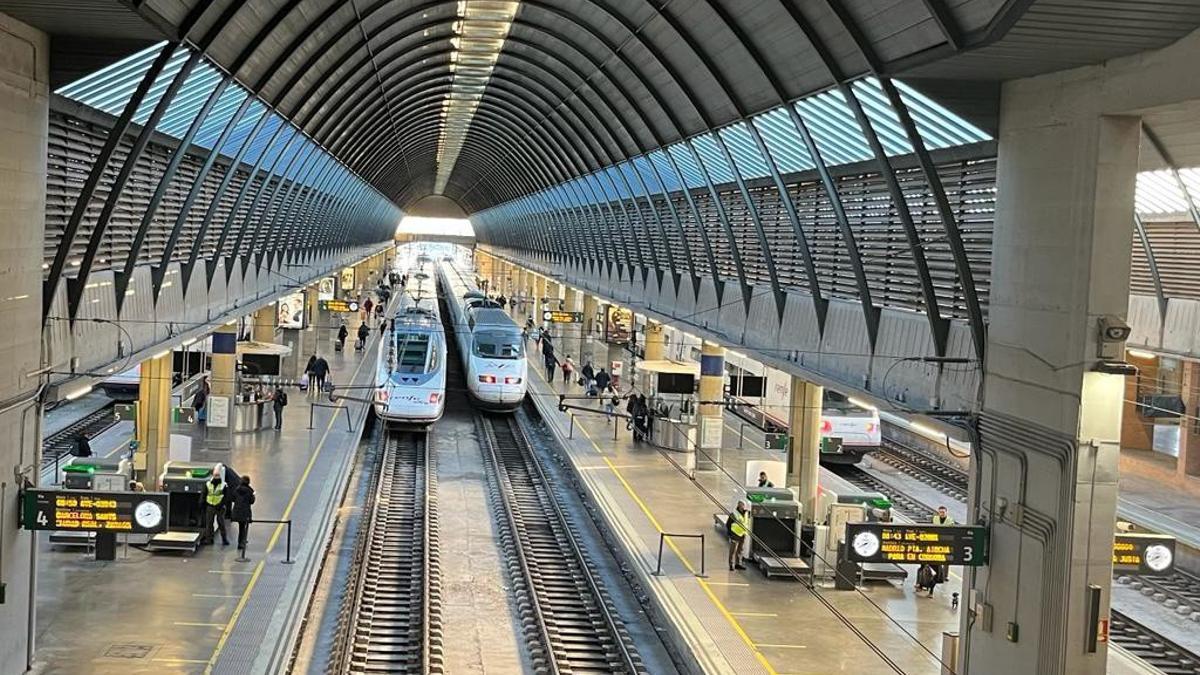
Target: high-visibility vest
{"type": "Point", "coordinates": [939, 520]}
{"type": "Point", "coordinates": [215, 496]}
{"type": "Point", "coordinates": [741, 524]}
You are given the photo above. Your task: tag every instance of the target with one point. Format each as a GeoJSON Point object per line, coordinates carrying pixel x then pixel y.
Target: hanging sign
{"type": "Point", "coordinates": [916, 544]}
{"type": "Point", "coordinates": [92, 511]}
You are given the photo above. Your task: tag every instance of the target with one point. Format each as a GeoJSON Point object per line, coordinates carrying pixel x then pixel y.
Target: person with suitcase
{"type": "Point", "coordinates": [363, 333]}
{"type": "Point", "coordinates": [341, 338]}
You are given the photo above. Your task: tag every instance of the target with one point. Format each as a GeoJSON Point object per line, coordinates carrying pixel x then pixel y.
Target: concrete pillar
{"type": "Point", "coordinates": [1189, 433]}
{"type": "Point", "coordinates": [24, 108]}
{"type": "Point", "coordinates": [804, 454]}
{"type": "Point", "coordinates": [656, 344]}
{"type": "Point", "coordinates": [153, 418]}
{"type": "Point", "coordinates": [712, 420]}
{"type": "Point", "coordinates": [263, 322]}
{"type": "Point", "coordinates": [539, 293]}
{"type": "Point", "coordinates": [223, 381]}
{"type": "Point", "coordinates": [1050, 428]}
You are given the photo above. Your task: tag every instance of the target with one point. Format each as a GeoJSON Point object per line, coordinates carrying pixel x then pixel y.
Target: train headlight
{"type": "Point", "coordinates": [381, 396]}
{"type": "Point", "coordinates": [487, 379]}
{"type": "Point", "coordinates": [826, 426]}
{"type": "Point", "coordinates": [512, 380]}
{"type": "Point", "coordinates": [435, 397]}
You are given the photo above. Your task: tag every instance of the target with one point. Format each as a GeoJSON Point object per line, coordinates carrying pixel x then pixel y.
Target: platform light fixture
{"type": "Point", "coordinates": [1139, 354]}
{"type": "Point", "coordinates": [860, 403]}
{"type": "Point", "coordinates": [479, 34]}
{"type": "Point", "coordinates": [82, 391]}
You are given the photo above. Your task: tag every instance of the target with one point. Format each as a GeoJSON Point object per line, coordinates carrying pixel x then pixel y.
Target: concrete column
{"type": "Point", "coordinates": [712, 421]}
{"type": "Point", "coordinates": [223, 381]}
{"type": "Point", "coordinates": [804, 455]}
{"type": "Point", "coordinates": [24, 109]}
{"type": "Point", "coordinates": [1050, 429]}
{"type": "Point", "coordinates": [263, 322]}
{"type": "Point", "coordinates": [1189, 434]}
{"type": "Point", "coordinates": [153, 418]}
{"type": "Point", "coordinates": [656, 344]}
{"type": "Point", "coordinates": [573, 332]}
{"type": "Point", "coordinates": [539, 292]}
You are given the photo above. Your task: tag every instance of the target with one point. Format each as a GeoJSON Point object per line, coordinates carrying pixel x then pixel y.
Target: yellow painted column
{"type": "Point", "coordinates": [223, 387]}
{"type": "Point", "coordinates": [263, 323]}
{"type": "Point", "coordinates": [656, 345]}
{"type": "Point", "coordinates": [553, 295]}
{"type": "Point", "coordinates": [712, 422]}
{"type": "Point", "coordinates": [539, 295]}
{"type": "Point", "coordinates": [804, 453]}
{"type": "Point", "coordinates": [153, 418]}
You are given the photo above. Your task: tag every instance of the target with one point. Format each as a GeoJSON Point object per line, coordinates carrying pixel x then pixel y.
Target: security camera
{"type": "Point", "coordinates": [1113, 334]}
{"type": "Point", "coordinates": [1114, 329]}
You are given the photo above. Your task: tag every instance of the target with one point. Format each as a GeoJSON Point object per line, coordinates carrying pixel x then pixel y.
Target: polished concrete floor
{"type": "Point", "coordinates": [167, 612]}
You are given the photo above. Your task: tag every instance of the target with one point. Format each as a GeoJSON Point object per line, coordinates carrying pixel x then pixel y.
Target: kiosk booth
{"type": "Point", "coordinates": [670, 389]}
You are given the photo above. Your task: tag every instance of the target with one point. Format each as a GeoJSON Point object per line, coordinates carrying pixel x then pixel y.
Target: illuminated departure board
{"type": "Point", "coordinates": [917, 544]}
{"type": "Point", "coordinates": [90, 511]}
{"type": "Point", "coordinates": [1143, 554]}
{"type": "Point", "coordinates": [341, 306]}
{"type": "Point", "coordinates": [555, 316]}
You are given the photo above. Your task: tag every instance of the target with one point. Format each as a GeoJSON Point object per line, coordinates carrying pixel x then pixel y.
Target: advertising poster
{"type": "Point", "coordinates": [291, 311]}
{"type": "Point", "coordinates": [325, 288]}
{"type": "Point", "coordinates": [348, 279]}
{"type": "Point", "coordinates": [618, 325]}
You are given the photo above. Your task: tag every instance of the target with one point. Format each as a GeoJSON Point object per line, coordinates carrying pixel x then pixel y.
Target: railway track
{"type": "Point", "coordinates": [569, 623]}
{"type": "Point", "coordinates": [949, 480]}
{"type": "Point", "coordinates": [60, 444]}
{"type": "Point", "coordinates": [903, 504]}
{"type": "Point", "coordinates": [390, 620]}
{"type": "Point", "coordinates": [1151, 647]}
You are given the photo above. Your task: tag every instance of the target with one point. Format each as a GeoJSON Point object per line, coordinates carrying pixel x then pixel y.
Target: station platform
{"type": "Point", "coordinates": [736, 621]}
{"type": "Point", "coordinates": [206, 612]}
{"type": "Point", "coordinates": [740, 621]}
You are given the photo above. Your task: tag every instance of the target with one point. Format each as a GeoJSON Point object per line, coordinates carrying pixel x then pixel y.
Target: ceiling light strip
{"type": "Point", "coordinates": [480, 28]}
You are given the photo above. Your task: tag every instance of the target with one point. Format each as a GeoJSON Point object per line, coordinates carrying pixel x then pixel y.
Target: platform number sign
{"type": "Point", "coordinates": [917, 544]}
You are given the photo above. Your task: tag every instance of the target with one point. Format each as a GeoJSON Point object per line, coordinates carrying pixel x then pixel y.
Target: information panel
{"type": "Point", "coordinates": [92, 511]}
{"type": "Point", "coordinates": [1144, 554]}
{"type": "Point", "coordinates": [343, 306]}
{"type": "Point", "coordinates": [916, 544]}
{"type": "Point", "coordinates": [555, 316]}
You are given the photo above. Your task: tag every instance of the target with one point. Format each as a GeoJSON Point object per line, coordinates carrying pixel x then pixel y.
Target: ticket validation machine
{"type": "Point", "coordinates": [185, 482]}
{"type": "Point", "coordinates": [775, 525]}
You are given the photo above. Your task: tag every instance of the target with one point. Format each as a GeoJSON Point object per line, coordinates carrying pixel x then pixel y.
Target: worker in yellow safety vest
{"type": "Point", "coordinates": [737, 526]}
{"type": "Point", "coordinates": [214, 508]}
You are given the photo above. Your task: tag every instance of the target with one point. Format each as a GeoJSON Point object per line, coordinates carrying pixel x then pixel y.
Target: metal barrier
{"type": "Point", "coordinates": [662, 537]}
{"type": "Point", "coordinates": [287, 555]}
{"type": "Point", "coordinates": [311, 406]}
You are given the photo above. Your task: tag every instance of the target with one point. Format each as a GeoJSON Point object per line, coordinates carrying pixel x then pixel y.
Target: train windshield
{"type": "Point", "coordinates": [413, 353]}
{"type": "Point", "coordinates": [833, 403]}
{"type": "Point", "coordinates": [498, 346]}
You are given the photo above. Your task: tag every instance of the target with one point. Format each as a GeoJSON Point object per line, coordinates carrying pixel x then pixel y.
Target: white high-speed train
{"type": "Point", "coordinates": [410, 374]}
{"type": "Point", "coordinates": [489, 341]}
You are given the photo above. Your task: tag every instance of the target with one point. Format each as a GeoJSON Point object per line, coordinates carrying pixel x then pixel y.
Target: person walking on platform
{"type": "Point", "coordinates": [382, 328]}
{"type": "Point", "coordinates": [603, 379]}
{"type": "Point", "coordinates": [83, 447]}
{"type": "Point", "coordinates": [589, 374]}
{"type": "Point", "coordinates": [214, 509]}
{"type": "Point", "coordinates": [320, 370]}
{"type": "Point", "coordinates": [550, 360]}
{"type": "Point", "coordinates": [343, 333]}
{"type": "Point", "coordinates": [200, 401]}
{"type": "Point", "coordinates": [243, 514]}
{"type": "Point", "coordinates": [611, 400]}
{"type": "Point", "coordinates": [306, 380]}
{"type": "Point", "coordinates": [278, 402]}
{"type": "Point", "coordinates": [568, 370]}
{"type": "Point", "coordinates": [363, 333]}
{"type": "Point", "coordinates": [737, 526]}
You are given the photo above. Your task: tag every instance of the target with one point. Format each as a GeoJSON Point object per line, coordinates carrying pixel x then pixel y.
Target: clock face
{"type": "Point", "coordinates": [1158, 557]}
{"type": "Point", "coordinates": [148, 514]}
{"type": "Point", "coordinates": [866, 544]}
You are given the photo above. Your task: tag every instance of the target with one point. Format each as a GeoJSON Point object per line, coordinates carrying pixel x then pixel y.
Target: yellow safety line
{"type": "Point", "coordinates": [197, 623]}
{"type": "Point", "coordinates": [237, 611]}
{"type": "Point", "coordinates": [737, 626]}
